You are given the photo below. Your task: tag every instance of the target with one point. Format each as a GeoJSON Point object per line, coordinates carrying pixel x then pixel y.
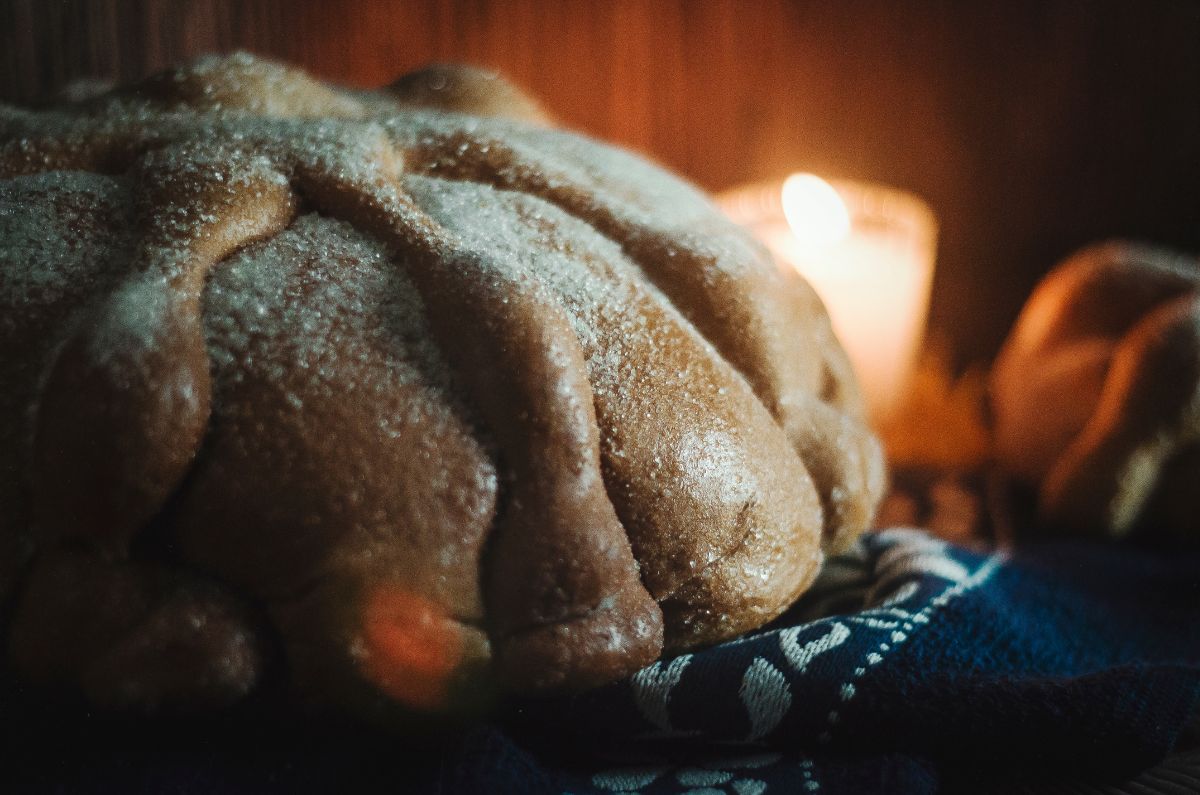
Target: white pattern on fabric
{"type": "Point", "coordinates": [902, 589]}
{"type": "Point", "coordinates": [766, 695]}
{"type": "Point", "coordinates": [652, 688]}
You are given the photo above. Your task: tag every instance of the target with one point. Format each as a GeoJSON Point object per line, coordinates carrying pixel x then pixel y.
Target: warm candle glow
{"type": "Point", "coordinates": [814, 211]}
{"type": "Point", "coordinates": [868, 251]}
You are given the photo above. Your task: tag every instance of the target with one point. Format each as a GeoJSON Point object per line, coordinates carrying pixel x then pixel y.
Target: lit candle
{"type": "Point", "coordinates": [868, 251]}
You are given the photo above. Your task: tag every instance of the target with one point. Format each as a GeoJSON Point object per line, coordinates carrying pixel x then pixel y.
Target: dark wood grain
{"type": "Point", "coordinates": [1032, 127]}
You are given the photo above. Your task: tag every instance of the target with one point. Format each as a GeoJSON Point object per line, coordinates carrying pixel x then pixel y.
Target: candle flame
{"type": "Point", "coordinates": [815, 212]}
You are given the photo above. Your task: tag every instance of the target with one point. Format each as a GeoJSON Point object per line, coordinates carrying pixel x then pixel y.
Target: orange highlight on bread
{"type": "Point", "coordinates": [413, 647]}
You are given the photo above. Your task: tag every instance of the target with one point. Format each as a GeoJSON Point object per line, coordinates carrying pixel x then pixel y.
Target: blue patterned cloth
{"type": "Point", "coordinates": [912, 666]}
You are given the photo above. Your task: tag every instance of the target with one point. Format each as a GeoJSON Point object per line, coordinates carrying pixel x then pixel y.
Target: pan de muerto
{"type": "Point", "coordinates": [404, 386]}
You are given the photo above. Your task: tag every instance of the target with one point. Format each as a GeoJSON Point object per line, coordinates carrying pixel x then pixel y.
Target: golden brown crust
{"type": "Point", "coordinates": [506, 395]}
{"type": "Point", "coordinates": [132, 634]}
{"type": "Point", "coordinates": [466, 89]}
{"type": "Point", "coordinates": [126, 402]}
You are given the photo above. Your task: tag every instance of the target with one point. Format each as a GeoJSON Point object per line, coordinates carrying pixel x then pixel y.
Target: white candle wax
{"type": "Point", "coordinates": [871, 261]}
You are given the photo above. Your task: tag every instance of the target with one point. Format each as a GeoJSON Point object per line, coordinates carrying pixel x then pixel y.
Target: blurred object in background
{"type": "Point", "coordinates": [1096, 393]}
{"type": "Point", "coordinates": [939, 451]}
{"type": "Point", "coordinates": [942, 423]}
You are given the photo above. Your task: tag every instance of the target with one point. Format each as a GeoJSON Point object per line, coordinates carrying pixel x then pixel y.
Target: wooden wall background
{"type": "Point", "coordinates": [1031, 126]}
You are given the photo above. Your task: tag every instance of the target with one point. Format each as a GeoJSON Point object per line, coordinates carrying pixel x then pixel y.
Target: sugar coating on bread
{"type": "Point", "coordinates": [436, 395]}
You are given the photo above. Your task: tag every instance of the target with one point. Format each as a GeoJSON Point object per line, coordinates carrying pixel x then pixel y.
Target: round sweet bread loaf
{"type": "Point", "coordinates": [404, 386]}
{"type": "Point", "coordinates": [1096, 393]}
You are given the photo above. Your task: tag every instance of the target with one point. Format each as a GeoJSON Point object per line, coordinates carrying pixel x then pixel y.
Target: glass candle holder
{"type": "Point", "coordinates": [868, 250]}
